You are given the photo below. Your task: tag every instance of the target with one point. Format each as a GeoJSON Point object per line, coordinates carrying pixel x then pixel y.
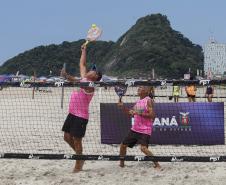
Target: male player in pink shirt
{"type": "Point", "coordinates": [141, 130]}
{"type": "Point", "coordinates": [75, 124]}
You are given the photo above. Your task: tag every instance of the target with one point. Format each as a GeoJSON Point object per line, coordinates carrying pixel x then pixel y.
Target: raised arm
{"type": "Point", "coordinates": [82, 64]}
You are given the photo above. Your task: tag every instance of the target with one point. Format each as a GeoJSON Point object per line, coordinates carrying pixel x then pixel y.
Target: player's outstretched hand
{"type": "Point", "coordinates": [83, 47]}
{"type": "Point", "coordinates": [132, 112]}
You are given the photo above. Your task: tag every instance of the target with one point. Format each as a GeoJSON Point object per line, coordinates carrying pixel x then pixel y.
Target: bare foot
{"type": "Point", "coordinates": [78, 166]}
{"type": "Point", "coordinates": [122, 164]}
{"type": "Point", "coordinates": [82, 163]}
{"type": "Point", "coordinates": [158, 167]}
{"type": "Point", "coordinates": [76, 170]}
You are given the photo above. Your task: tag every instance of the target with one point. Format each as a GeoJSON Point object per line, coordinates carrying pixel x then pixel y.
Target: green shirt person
{"type": "Point", "coordinates": [176, 92]}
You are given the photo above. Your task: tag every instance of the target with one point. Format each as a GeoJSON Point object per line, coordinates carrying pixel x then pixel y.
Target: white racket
{"type": "Point", "coordinates": [93, 34]}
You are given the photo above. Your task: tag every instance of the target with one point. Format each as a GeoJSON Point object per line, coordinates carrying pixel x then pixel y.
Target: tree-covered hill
{"type": "Point", "coordinates": [44, 59]}
{"type": "Point", "coordinates": [150, 44]}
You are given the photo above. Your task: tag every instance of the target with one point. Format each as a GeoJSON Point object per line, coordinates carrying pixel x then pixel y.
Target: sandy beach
{"type": "Point", "coordinates": [34, 126]}
{"type": "Point", "coordinates": [39, 172]}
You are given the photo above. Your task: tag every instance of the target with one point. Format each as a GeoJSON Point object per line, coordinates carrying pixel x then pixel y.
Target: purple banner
{"type": "Point", "coordinates": [175, 123]}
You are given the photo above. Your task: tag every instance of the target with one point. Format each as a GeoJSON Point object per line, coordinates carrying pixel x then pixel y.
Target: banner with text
{"type": "Point", "coordinates": [175, 123]}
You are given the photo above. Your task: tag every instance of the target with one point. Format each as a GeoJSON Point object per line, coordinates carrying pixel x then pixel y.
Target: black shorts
{"type": "Point", "coordinates": [192, 96]}
{"type": "Point", "coordinates": [74, 125]}
{"type": "Point", "coordinates": [136, 138]}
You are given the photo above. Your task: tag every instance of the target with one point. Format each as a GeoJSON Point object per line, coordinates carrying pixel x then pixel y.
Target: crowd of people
{"type": "Point", "coordinates": [191, 90]}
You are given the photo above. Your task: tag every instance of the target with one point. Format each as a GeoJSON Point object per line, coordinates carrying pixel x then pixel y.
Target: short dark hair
{"type": "Point", "coordinates": [99, 74]}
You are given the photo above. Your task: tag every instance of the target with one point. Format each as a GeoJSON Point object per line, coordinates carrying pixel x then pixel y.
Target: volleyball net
{"type": "Point", "coordinates": [32, 116]}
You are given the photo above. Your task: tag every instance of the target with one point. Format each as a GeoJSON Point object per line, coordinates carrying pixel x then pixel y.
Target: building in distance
{"type": "Point", "coordinates": [214, 59]}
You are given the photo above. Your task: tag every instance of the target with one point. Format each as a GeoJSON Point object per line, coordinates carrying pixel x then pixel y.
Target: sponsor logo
{"type": "Point", "coordinates": [102, 158]}
{"type": "Point", "coordinates": [204, 82]}
{"type": "Point", "coordinates": [68, 156]}
{"type": "Point", "coordinates": [176, 159]}
{"type": "Point", "coordinates": [172, 123]}
{"type": "Point", "coordinates": [59, 84]}
{"type": "Point", "coordinates": [165, 121]}
{"type": "Point", "coordinates": [163, 82]}
{"type": "Point", "coordinates": [214, 159]}
{"type": "Point", "coordinates": [24, 84]}
{"type": "Point", "coordinates": [31, 156]}
{"type": "Point", "coordinates": [91, 84]}
{"type": "Point", "coordinates": [139, 158]}
{"type": "Point", "coordinates": [130, 83]}
{"type": "Point", "coordinates": [184, 118]}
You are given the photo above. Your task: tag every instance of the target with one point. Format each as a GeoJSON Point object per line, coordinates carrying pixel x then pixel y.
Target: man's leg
{"type": "Point", "coordinates": [210, 98]}
{"type": "Point", "coordinates": [147, 152]}
{"type": "Point", "coordinates": [122, 154]}
{"type": "Point", "coordinates": [189, 99]}
{"type": "Point", "coordinates": [175, 99]}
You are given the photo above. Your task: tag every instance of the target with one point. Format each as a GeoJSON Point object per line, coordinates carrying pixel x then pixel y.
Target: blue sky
{"type": "Point", "coordinates": [26, 24]}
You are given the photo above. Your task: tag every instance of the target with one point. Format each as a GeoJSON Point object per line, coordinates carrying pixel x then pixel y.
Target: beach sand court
{"type": "Point", "coordinates": [34, 126]}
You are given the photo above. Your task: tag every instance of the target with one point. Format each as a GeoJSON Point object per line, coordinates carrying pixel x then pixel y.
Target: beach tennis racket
{"type": "Point", "coordinates": [120, 91]}
{"type": "Point", "coordinates": [93, 34]}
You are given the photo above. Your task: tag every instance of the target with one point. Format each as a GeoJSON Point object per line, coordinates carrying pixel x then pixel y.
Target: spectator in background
{"type": "Point", "coordinates": [209, 93]}
{"type": "Point", "coordinates": [191, 91]}
{"type": "Point", "coordinates": [176, 92]}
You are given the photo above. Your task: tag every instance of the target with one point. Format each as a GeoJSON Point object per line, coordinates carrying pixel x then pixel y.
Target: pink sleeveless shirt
{"type": "Point", "coordinates": [79, 102]}
{"type": "Point", "coordinates": [141, 124]}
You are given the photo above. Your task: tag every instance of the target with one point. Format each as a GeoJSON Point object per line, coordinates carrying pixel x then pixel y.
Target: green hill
{"type": "Point", "coordinates": [150, 43]}
{"type": "Point", "coordinates": [42, 59]}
